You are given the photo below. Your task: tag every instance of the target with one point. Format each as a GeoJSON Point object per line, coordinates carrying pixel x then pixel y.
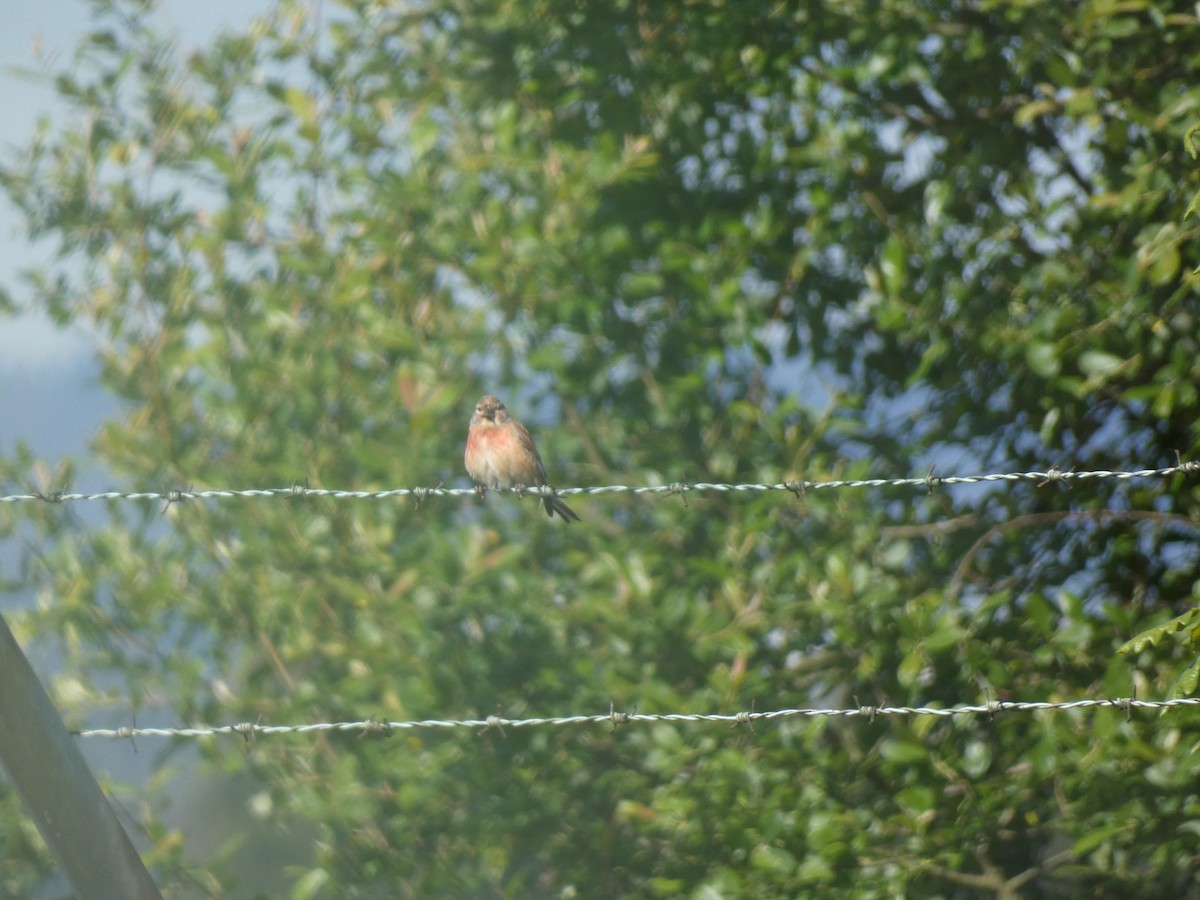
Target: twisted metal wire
{"type": "Point", "coordinates": [614, 718]}
{"type": "Point", "coordinates": [1052, 475]}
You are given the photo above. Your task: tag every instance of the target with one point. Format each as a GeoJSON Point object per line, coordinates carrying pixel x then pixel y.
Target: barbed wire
{"type": "Point", "coordinates": [614, 718]}
{"type": "Point", "coordinates": [1052, 475]}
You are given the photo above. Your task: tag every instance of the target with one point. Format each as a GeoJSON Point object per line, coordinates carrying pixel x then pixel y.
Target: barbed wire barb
{"type": "Point", "coordinates": [797, 487]}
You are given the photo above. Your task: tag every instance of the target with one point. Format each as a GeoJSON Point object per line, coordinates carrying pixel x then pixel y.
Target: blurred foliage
{"type": "Point", "coordinates": [684, 241]}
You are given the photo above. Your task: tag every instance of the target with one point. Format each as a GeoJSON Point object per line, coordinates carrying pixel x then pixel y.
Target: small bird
{"type": "Point", "coordinates": [501, 454]}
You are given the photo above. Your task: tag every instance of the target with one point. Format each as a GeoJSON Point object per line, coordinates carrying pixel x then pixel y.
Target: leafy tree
{"type": "Point", "coordinates": [722, 242]}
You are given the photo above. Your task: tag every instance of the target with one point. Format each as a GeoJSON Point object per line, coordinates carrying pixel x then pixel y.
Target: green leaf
{"type": "Point", "coordinates": [1035, 109]}
{"type": "Point", "coordinates": [1185, 684]}
{"type": "Point", "coordinates": [1098, 364]}
{"type": "Point", "coordinates": [1043, 358]}
{"type": "Point", "coordinates": [1097, 838]}
{"type": "Point", "coordinates": [917, 799]}
{"type": "Point", "coordinates": [312, 884]}
{"type": "Point", "coordinates": [893, 266]}
{"type": "Point", "coordinates": [775, 859]}
{"type": "Point", "coordinates": [1191, 140]}
{"type": "Point", "coordinates": [1152, 637]}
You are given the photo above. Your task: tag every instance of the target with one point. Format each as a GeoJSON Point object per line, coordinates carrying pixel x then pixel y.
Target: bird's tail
{"type": "Point", "coordinates": [554, 505]}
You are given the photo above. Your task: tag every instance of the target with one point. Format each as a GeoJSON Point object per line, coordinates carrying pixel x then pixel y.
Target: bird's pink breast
{"type": "Point", "coordinates": [496, 458]}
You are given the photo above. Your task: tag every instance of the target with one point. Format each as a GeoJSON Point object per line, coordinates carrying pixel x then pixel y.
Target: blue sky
{"type": "Point", "coordinates": [49, 396]}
